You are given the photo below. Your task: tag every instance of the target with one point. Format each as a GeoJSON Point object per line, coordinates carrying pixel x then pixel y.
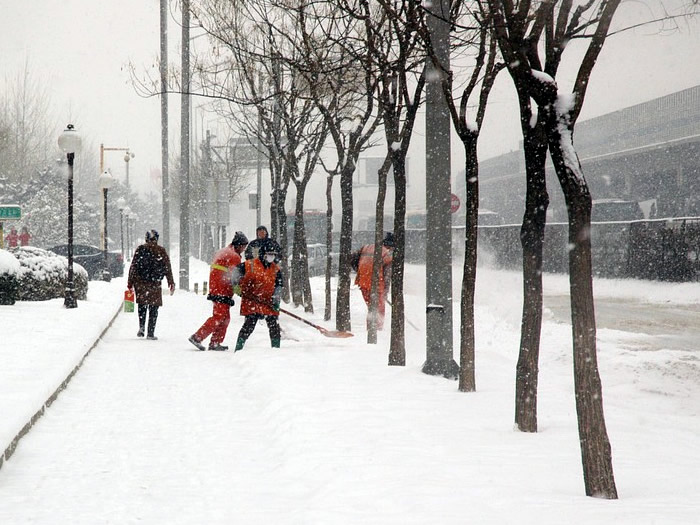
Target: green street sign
{"type": "Point", "coordinates": [10, 212]}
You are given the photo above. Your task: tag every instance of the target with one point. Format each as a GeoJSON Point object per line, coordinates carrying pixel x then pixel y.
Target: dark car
{"type": "Point", "coordinates": [607, 210]}
{"type": "Point", "coordinates": [92, 259]}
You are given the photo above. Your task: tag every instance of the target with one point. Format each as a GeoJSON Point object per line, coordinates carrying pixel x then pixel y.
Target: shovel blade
{"type": "Point", "coordinates": [337, 333]}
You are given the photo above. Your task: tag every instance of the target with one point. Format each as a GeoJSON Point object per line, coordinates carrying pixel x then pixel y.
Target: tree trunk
{"type": "Point", "coordinates": [532, 241]}
{"type": "Point", "coordinates": [342, 312]}
{"type": "Point", "coordinates": [595, 446]}
{"type": "Point", "coordinates": [301, 288]}
{"type": "Point", "coordinates": [467, 381]}
{"type": "Point", "coordinates": [377, 254]}
{"type": "Point", "coordinates": [329, 246]}
{"type": "Point", "coordinates": [397, 347]}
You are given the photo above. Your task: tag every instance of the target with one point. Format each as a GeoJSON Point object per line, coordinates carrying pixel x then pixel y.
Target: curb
{"type": "Point", "coordinates": [7, 454]}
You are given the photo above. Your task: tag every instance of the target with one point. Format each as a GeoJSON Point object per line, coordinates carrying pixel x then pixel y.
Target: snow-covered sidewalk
{"type": "Point", "coordinates": [43, 344]}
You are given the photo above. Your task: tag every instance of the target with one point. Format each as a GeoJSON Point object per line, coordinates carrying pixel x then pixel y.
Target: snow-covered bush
{"type": "Point", "coordinates": [9, 278]}
{"type": "Point", "coordinates": [43, 275]}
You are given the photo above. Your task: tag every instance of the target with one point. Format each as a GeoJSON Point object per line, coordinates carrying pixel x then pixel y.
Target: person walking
{"type": "Point", "coordinates": [261, 283]}
{"type": "Point", "coordinates": [220, 294]}
{"type": "Point", "coordinates": [149, 266]}
{"type": "Point", "coordinates": [365, 260]}
{"type": "Point", "coordinates": [24, 237]}
{"type": "Point", "coordinates": [12, 238]}
{"type": "Point", "coordinates": [261, 237]}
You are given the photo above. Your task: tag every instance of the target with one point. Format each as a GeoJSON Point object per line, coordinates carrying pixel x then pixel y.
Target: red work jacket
{"type": "Point", "coordinates": [225, 260]}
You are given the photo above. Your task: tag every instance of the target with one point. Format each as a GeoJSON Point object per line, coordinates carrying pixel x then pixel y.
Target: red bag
{"type": "Point", "coordinates": [128, 301]}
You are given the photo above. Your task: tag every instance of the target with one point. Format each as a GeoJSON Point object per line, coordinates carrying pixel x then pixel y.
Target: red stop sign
{"type": "Point", "coordinates": [454, 203]}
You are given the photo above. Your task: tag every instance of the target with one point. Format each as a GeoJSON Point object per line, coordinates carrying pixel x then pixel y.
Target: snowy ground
{"type": "Point", "coordinates": [323, 432]}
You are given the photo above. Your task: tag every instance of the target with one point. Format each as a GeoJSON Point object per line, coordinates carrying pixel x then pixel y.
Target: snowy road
{"type": "Point", "coordinates": [659, 326]}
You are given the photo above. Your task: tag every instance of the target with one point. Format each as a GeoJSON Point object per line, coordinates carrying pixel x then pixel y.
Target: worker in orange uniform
{"type": "Point", "coordinates": [365, 257]}
{"type": "Point", "coordinates": [220, 294]}
{"type": "Point", "coordinates": [261, 285]}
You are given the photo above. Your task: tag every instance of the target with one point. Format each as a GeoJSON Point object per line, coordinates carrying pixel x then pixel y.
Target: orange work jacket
{"type": "Point", "coordinates": [364, 269]}
{"type": "Point", "coordinates": [257, 287]}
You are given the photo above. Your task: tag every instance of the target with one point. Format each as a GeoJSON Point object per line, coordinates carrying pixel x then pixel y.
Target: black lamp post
{"type": "Point", "coordinates": [106, 181]}
{"type": "Point", "coordinates": [69, 141]}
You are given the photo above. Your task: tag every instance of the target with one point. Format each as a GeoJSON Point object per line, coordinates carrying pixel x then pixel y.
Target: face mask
{"type": "Point", "coordinates": [270, 258]}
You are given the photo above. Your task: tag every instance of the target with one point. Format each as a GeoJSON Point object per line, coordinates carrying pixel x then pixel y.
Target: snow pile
{"type": "Point", "coordinates": [9, 265]}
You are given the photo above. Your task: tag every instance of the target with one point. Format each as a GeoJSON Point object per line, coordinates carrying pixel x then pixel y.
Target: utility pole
{"type": "Point", "coordinates": [438, 280]}
{"type": "Point", "coordinates": [185, 151]}
{"type": "Point", "coordinates": [164, 121]}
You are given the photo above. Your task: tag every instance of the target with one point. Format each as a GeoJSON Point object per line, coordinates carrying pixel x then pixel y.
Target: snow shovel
{"type": "Point", "coordinates": [324, 331]}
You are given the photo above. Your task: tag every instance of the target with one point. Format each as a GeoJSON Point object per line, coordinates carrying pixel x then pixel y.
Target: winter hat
{"type": "Point", "coordinates": [269, 246]}
{"type": "Point", "coordinates": [239, 239]}
{"type": "Point", "coordinates": [388, 240]}
{"type": "Point", "coordinates": [152, 236]}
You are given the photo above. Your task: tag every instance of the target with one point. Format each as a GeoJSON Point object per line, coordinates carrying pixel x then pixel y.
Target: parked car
{"type": "Point", "coordinates": [605, 210]}
{"type": "Point", "coordinates": [92, 259]}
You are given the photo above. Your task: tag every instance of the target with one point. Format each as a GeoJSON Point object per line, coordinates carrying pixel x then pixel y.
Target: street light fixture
{"type": "Point", "coordinates": [127, 157]}
{"type": "Point", "coordinates": [128, 154]}
{"type": "Point", "coordinates": [121, 204]}
{"type": "Point", "coordinates": [69, 141]}
{"type": "Point", "coordinates": [106, 181]}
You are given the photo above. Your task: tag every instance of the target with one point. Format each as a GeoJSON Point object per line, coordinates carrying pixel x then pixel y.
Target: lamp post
{"type": "Point", "coordinates": [121, 204]}
{"type": "Point", "coordinates": [69, 141]}
{"type": "Point", "coordinates": [128, 154]}
{"type": "Point", "coordinates": [132, 239]}
{"type": "Point", "coordinates": [127, 212]}
{"type": "Point", "coordinates": [106, 180]}
{"type": "Point", "coordinates": [127, 157]}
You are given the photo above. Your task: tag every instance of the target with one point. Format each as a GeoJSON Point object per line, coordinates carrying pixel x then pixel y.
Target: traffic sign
{"type": "Point", "coordinates": [454, 203]}
{"type": "Point", "coordinates": [10, 212]}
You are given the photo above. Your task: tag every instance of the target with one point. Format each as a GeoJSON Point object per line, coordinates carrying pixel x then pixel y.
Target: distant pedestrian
{"type": "Point", "coordinates": [220, 294]}
{"type": "Point", "coordinates": [149, 266]}
{"type": "Point", "coordinates": [261, 283]}
{"type": "Point", "coordinates": [24, 237]}
{"type": "Point", "coordinates": [12, 238]}
{"type": "Point", "coordinates": [261, 236]}
{"type": "Point", "coordinates": [364, 259]}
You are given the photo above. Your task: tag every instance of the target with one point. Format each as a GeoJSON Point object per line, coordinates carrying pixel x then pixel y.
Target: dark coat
{"type": "Point", "coordinates": [149, 292]}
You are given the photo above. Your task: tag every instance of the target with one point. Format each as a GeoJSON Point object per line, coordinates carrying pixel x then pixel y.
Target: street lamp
{"type": "Point", "coordinates": [121, 204]}
{"type": "Point", "coordinates": [69, 141]}
{"type": "Point", "coordinates": [127, 157]}
{"type": "Point", "coordinates": [128, 154]}
{"type": "Point", "coordinates": [127, 212]}
{"type": "Point", "coordinates": [106, 180]}
{"type": "Point", "coordinates": [134, 218]}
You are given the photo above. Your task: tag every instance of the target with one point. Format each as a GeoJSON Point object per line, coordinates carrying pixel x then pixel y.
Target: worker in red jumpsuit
{"type": "Point", "coordinates": [365, 256]}
{"type": "Point", "coordinates": [220, 294]}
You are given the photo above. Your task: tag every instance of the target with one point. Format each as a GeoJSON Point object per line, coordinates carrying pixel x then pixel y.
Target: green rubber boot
{"type": "Point", "coordinates": [239, 344]}
{"type": "Point", "coordinates": [275, 343]}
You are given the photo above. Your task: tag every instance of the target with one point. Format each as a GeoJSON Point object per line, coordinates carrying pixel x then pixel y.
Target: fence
{"type": "Point", "coordinates": [658, 249]}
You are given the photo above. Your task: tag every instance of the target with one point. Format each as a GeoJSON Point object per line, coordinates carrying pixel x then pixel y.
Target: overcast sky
{"type": "Point", "coordinates": [80, 48]}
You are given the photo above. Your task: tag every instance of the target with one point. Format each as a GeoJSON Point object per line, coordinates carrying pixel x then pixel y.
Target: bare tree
{"type": "Point", "coordinates": [342, 79]}
{"type": "Point", "coordinates": [558, 22]}
{"type": "Point", "coordinates": [26, 144]}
